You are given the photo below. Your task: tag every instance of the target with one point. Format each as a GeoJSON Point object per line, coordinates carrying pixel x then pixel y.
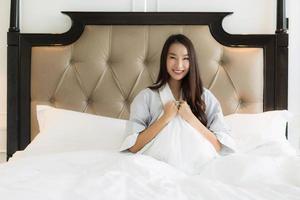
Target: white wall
{"type": "Point", "coordinates": [4, 24]}
{"type": "Point", "coordinates": [293, 8]}
{"type": "Point", "coordinates": [250, 16]}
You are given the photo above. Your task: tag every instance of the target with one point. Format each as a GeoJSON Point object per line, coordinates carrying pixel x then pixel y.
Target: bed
{"type": "Point", "coordinates": [69, 96]}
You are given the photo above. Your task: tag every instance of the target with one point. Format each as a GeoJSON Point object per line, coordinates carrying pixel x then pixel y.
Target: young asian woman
{"type": "Point", "coordinates": [196, 105]}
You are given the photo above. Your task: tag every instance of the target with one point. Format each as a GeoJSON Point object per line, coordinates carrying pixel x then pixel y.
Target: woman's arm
{"type": "Point", "coordinates": [170, 111]}
{"type": "Point", "coordinates": [148, 134]}
{"type": "Point", "coordinates": [194, 122]}
{"type": "Point", "coordinates": [186, 113]}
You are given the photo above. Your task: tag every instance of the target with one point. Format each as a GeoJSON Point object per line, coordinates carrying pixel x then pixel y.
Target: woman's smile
{"type": "Point", "coordinates": [178, 71]}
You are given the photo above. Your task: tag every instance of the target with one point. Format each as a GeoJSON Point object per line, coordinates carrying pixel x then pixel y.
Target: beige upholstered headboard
{"type": "Point", "coordinates": [106, 58]}
{"type": "Point", "coordinates": [107, 66]}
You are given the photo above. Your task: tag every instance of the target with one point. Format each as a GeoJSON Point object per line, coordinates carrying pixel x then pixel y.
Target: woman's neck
{"type": "Point", "coordinates": [175, 87]}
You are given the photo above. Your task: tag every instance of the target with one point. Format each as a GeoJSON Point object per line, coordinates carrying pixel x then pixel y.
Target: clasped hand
{"type": "Point", "coordinates": [172, 108]}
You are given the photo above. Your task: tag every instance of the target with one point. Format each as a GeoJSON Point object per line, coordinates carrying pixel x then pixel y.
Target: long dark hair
{"type": "Point", "coordinates": [191, 84]}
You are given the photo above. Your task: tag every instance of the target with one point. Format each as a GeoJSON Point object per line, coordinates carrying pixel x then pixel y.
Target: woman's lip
{"type": "Point", "coordinates": [178, 71]}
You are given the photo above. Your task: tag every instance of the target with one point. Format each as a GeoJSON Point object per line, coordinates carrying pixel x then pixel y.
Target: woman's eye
{"type": "Point", "coordinates": [186, 59]}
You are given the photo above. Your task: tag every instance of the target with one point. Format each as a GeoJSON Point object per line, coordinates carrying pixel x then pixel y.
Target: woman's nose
{"type": "Point", "coordinates": [179, 65]}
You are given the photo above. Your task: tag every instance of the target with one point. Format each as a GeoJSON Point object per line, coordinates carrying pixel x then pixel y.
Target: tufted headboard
{"type": "Point", "coordinates": [107, 66]}
{"type": "Point", "coordinates": [105, 59]}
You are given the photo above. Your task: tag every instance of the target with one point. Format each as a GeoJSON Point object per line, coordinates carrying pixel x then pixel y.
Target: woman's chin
{"type": "Point", "coordinates": [177, 78]}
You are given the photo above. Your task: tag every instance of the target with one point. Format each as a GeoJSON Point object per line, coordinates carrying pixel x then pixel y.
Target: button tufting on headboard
{"type": "Point", "coordinates": [221, 62]}
{"type": "Point", "coordinates": [89, 101]}
{"type": "Point", "coordinates": [52, 100]}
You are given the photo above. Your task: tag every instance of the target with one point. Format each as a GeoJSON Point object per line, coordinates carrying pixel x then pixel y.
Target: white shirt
{"type": "Point", "coordinates": [147, 107]}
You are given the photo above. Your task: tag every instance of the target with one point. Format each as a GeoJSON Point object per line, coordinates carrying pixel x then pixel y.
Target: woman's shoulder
{"type": "Point", "coordinates": [207, 93]}
{"type": "Point", "coordinates": [208, 96]}
{"type": "Point", "coordinates": [146, 94]}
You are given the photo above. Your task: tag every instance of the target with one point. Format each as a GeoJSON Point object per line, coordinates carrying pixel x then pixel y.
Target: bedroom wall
{"type": "Point", "coordinates": [250, 16]}
{"type": "Point", "coordinates": [4, 23]}
{"type": "Point", "coordinates": [293, 7]}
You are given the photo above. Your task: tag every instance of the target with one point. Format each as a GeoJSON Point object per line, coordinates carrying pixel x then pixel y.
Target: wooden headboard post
{"type": "Point", "coordinates": [282, 53]}
{"type": "Point", "coordinates": [282, 39]}
{"type": "Point", "coordinates": [20, 47]}
{"type": "Point", "coordinates": [13, 80]}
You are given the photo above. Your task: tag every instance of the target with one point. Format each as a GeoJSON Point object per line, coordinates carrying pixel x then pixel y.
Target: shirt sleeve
{"type": "Point", "coordinates": [139, 119]}
{"type": "Point", "coordinates": [217, 125]}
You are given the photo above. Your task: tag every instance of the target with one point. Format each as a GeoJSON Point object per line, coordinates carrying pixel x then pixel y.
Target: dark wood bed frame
{"type": "Point", "coordinates": [19, 56]}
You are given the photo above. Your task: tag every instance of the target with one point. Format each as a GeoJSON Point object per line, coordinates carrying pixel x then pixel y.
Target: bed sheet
{"type": "Point", "coordinates": [113, 175]}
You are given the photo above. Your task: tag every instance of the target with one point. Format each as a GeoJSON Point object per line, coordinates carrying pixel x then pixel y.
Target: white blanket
{"type": "Point", "coordinates": [110, 175]}
{"type": "Point", "coordinates": [179, 144]}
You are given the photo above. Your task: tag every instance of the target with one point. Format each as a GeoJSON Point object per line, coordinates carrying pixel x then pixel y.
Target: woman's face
{"type": "Point", "coordinates": [177, 61]}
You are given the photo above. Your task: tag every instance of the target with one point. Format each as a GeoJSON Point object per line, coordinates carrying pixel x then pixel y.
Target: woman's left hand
{"type": "Point", "coordinates": [185, 111]}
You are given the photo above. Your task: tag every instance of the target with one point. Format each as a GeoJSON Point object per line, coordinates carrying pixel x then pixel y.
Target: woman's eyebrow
{"type": "Point", "coordinates": [176, 54]}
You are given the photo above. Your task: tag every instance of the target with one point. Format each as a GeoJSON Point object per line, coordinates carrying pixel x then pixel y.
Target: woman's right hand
{"type": "Point", "coordinates": [170, 110]}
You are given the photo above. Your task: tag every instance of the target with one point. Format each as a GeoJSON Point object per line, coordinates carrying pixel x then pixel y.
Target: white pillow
{"type": "Point", "coordinates": [251, 131]}
{"type": "Point", "coordinates": [64, 130]}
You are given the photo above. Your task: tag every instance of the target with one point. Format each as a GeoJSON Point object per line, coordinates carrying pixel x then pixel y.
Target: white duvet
{"type": "Point", "coordinates": [80, 175]}
{"type": "Point", "coordinates": [178, 143]}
